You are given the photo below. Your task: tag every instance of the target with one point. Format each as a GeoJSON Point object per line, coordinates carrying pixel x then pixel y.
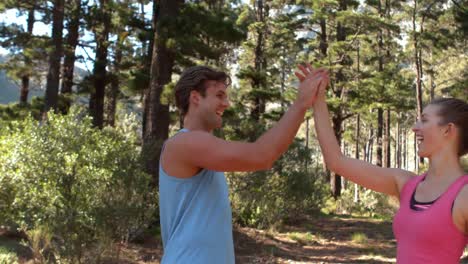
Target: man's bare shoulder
{"type": "Point", "coordinates": [184, 139]}
{"type": "Point", "coordinates": [177, 159]}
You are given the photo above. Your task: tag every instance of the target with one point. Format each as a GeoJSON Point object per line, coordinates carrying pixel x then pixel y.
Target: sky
{"type": "Point", "coordinates": [13, 16]}
{"type": "Point", "coordinates": [39, 29]}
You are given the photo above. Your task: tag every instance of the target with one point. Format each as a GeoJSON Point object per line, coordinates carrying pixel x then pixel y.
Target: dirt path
{"type": "Point", "coordinates": [311, 240]}
{"type": "Point", "coordinates": [319, 240]}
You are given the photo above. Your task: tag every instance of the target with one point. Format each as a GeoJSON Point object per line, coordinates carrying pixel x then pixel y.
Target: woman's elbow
{"type": "Point", "coordinates": [334, 163]}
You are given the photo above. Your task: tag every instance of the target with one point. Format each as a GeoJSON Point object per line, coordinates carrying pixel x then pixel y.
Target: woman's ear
{"type": "Point", "coordinates": [450, 129]}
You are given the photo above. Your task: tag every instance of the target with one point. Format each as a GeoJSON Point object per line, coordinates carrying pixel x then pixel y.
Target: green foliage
{"type": "Point", "coordinates": [370, 204]}
{"type": "Point", "coordinates": [80, 183]}
{"type": "Point", "coordinates": [266, 198]}
{"type": "Point", "coordinates": [303, 238]}
{"type": "Point", "coordinates": [40, 240]}
{"type": "Point", "coordinates": [7, 257]}
{"type": "Point", "coordinates": [17, 111]}
{"type": "Point", "coordinates": [359, 238]}
{"type": "Point", "coordinates": [20, 111]}
{"type": "Point", "coordinates": [205, 34]}
{"type": "Point", "coordinates": [464, 162]}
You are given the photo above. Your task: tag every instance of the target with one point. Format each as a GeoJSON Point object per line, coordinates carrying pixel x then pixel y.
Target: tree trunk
{"type": "Point", "coordinates": [388, 140]}
{"type": "Point", "coordinates": [379, 136]}
{"type": "Point", "coordinates": [162, 63]}
{"type": "Point", "coordinates": [416, 163]}
{"type": "Point", "coordinates": [369, 145]}
{"type": "Point", "coordinates": [147, 66]}
{"type": "Point", "coordinates": [335, 179]}
{"type": "Point", "coordinates": [112, 93]}
{"type": "Point", "coordinates": [260, 64]}
{"type": "Point", "coordinates": [405, 149]}
{"type": "Point", "coordinates": [356, 153]}
{"type": "Point", "coordinates": [307, 141]}
{"type": "Point", "coordinates": [358, 124]}
{"type": "Point", "coordinates": [27, 61]}
{"type": "Point", "coordinates": [418, 65]}
{"type": "Point", "coordinates": [99, 72]}
{"type": "Point", "coordinates": [284, 71]}
{"type": "Point", "coordinates": [53, 75]}
{"type": "Point", "coordinates": [70, 47]}
{"type": "Point", "coordinates": [398, 144]}
{"type": "Point", "coordinates": [380, 110]}
{"type": "Point", "coordinates": [431, 78]}
{"type": "Point", "coordinates": [24, 89]}
{"type": "Point", "coordinates": [323, 38]}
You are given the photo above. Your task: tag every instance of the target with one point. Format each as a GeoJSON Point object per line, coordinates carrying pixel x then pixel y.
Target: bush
{"type": "Point", "coordinates": [7, 257]}
{"type": "Point", "coordinates": [371, 204]}
{"type": "Point", "coordinates": [266, 198]}
{"type": "Point", "coordinates": [82, 184]}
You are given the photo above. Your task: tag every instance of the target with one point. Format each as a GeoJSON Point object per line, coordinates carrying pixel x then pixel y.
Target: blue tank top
{"type": "Point", "coordinates": [196, 218]}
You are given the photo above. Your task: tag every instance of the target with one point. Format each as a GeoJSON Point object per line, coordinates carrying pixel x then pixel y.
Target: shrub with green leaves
{"type": "Point", "coordinates": [266, 198]}
{"type": "Point", "coordinates": [7, 257]}
{"type": "Point", "coordinates": [83, 184]}
{"type": "Point", "coordinates": [371, 203]}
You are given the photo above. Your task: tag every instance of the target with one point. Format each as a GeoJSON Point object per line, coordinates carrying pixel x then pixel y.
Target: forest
{"type": "Point", "coordinates": [86, 102]}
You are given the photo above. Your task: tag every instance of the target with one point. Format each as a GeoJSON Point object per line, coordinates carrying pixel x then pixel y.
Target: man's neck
{"type": "Point", "coordinates": [194, 124]}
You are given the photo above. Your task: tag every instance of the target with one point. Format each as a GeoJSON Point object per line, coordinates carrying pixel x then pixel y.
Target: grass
{"type": "Point", "coordinates": [359, 238]}
{"type": "Point", "coordinates": [304, 238]}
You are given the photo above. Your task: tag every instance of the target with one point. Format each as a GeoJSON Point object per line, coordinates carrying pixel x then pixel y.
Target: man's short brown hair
{"type": "Point", "coordinates": [194, 78]}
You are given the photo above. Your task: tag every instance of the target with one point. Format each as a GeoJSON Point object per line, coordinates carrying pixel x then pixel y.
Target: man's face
{"type": "Point", "coordinates": [212, 105]}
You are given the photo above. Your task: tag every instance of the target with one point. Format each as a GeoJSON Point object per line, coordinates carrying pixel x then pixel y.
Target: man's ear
{"type": "Point", "coordinates": [194, 97]}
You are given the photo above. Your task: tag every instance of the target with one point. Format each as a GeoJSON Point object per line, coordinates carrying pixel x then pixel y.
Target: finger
{"type": "Point", "coordinates": [299, 76]}
{"type": "Point", "coordinates": [321, 70]}
{"type": "Point", "coordinates": [317, 91]}
{"type": "Point", "coordinates": [303, 69]}
{"type": "Point", "coordinates": [318, 72]}
{"type": "Point", "coordinates": [325, 84]}
{"type": "Point", "coordinates": [311, 69]}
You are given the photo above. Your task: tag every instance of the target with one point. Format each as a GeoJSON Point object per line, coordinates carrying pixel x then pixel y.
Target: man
{"type": "Point", "coordinates": [195, 210]}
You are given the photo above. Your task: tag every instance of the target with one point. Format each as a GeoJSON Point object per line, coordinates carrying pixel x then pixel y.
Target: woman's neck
{"type": "Point", "coordinates": [445, 164]}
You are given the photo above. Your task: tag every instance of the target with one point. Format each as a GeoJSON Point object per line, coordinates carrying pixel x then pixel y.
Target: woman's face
{"type": "Point", "coordinates": [430, 132]}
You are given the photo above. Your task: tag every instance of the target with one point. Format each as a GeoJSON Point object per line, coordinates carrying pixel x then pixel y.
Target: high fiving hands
{"type": "Point", "coordinates": [313, 83]}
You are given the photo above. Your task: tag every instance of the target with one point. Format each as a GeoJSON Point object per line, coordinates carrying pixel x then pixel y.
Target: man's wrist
{"type": "Point", "coordinates": [300, 105]}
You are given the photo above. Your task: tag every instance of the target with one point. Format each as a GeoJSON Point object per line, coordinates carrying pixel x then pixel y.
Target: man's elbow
{"type": "Point", "coordinates": [267, 165]}
{"type": "Point", "coordinates": [263, 162]}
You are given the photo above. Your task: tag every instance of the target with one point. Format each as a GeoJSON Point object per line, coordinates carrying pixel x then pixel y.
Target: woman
{"type": "Point", "coordinates": [431, 225]}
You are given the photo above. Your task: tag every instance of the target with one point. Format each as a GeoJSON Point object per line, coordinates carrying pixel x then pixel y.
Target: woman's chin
{"type": "Point", "coordinates": [423, 154]}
